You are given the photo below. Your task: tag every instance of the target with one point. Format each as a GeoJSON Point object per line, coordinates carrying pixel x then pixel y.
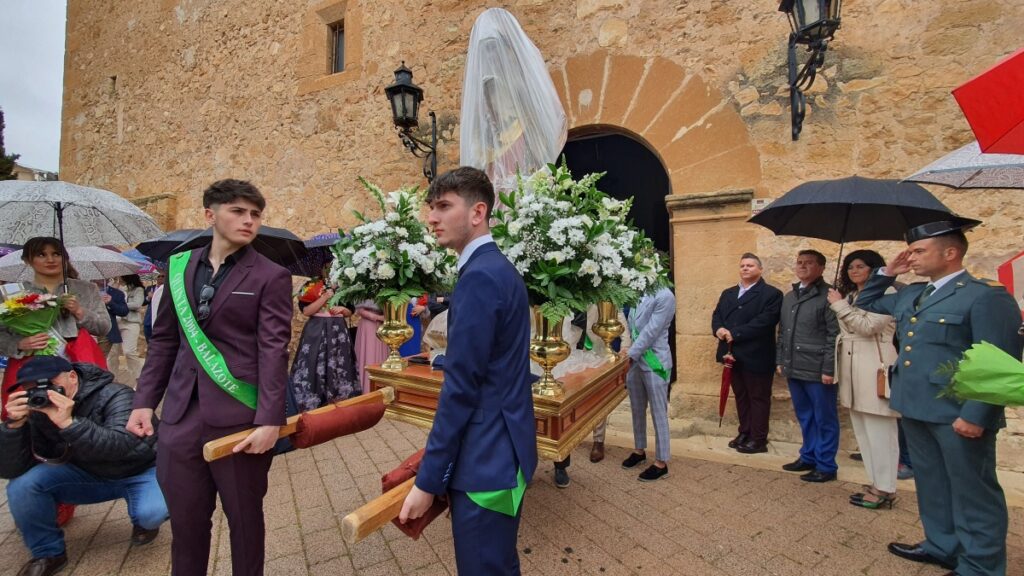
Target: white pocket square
{"type": "Point", "coordinates": [245, 293]}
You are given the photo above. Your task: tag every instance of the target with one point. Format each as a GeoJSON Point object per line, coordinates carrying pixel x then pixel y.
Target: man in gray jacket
{"type": "Point", "coordinates": [805, 354]}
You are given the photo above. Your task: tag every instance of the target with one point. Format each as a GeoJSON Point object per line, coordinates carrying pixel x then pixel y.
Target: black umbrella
{"type": "Point", "coordinates": [854, 209]}
{"type": "Point", "coordinates": [317, 256]}
{"type": "Point", "coordinates": [161, 249]}
{"type": "Point", "coordinates": [277, 244]}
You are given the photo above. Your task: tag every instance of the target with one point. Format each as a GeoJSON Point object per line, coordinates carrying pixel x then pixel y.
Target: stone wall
{"type": "Point", "coordinates": [163, 97]}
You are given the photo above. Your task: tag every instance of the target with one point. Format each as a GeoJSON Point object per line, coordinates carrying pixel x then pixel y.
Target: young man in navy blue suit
{"type": "Point", "coordinates": [482, 448]}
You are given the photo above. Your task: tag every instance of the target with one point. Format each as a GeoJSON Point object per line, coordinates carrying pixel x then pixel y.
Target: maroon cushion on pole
{"type": "Point", "coordinates": [406, 470]}
{"type": "Point", "coordinates": [317, 428]}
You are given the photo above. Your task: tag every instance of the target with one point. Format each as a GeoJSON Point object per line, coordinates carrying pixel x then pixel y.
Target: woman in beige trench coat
{"type": "Point", "coordinates": [864, 346]}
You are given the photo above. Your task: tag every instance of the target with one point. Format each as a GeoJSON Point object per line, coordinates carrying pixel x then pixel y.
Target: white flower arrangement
{"type": "Point", "coordinates": [574, 245]}
{"type": "Point", "coordinates": [392, 259]}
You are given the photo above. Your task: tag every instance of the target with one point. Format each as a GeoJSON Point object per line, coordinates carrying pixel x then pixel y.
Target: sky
{"type": "Point", "coordinates": [32, 79]}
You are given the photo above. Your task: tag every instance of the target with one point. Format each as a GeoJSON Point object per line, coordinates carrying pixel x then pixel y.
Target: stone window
{"type": "Point", "coordinates": [337, 36]}
{"type": "Point", "coordinates": [331, 46]}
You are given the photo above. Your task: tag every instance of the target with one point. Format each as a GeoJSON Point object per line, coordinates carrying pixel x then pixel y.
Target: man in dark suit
{"type": "Point", "coordinates": [744, 322]}
{"type": "Point", "coordinates": [952, 444]}
{"type": "Point", "coordinates": [806, 356]}
{"type": "Point", "coordinates": [482, 448]}
{"type": "Point", "coordinates": [241, 302]}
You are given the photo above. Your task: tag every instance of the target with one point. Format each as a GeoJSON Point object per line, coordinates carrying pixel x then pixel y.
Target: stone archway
{"type": "Point", "coordinates": [704, 145]}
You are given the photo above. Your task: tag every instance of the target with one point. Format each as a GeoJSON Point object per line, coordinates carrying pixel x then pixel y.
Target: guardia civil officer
{"type": "Point", "coordinates": [952, 444]}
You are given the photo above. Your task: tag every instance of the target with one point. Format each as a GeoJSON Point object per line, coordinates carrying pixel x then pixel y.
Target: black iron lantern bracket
{"type": "Point", "coordinates": [800, 81]}
{"type": "Point", "coordinates": [423, 149]}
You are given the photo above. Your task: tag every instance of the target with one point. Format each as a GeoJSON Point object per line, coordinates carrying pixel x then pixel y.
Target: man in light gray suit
{"type": "Point", "coordinates": [647, 380]}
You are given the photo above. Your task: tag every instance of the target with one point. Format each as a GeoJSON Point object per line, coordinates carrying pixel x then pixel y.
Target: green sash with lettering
{"type": "Point", "coordinates": [208, 356]}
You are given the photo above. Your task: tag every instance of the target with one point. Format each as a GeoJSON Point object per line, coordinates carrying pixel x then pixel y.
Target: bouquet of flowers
{"type": "Point", "coordinates": [31, 313]}
{"type": "Point", "coordinates": [391, 259]}
{"type": "Point", "coordinates": [574, 244]}
{"type": "Point", "coordinates": [986, 374]}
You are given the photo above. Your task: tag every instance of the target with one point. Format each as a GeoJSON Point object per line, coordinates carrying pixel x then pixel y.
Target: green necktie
{"type": "Point", "coordinates": [924, 295]}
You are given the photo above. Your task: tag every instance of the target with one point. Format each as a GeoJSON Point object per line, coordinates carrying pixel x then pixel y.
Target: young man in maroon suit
{"type": "Point", "coordinates": [218, 359]}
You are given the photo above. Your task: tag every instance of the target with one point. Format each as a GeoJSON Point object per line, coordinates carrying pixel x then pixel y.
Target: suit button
{"type": "Point", "coordinates": [911, 334]}
{"type": "Point", "coordinates": [906, 362]}
{"type": "Point", "coordinates": [907, 348]}
{"type": "Point", "coordinates": [913, 319]}
{"type": "Point", "coordinates": [942, 320]}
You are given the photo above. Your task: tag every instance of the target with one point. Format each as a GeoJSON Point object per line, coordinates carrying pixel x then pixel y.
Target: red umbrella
{"type": "Point", "coordinates": [723, 394]}
{"type": "Point", "coordinates": [993, 103]}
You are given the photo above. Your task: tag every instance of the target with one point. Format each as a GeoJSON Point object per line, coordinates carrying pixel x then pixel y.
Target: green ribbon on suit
{"type": "Point", "coordinates": [504, 501]}
{"type": "Point", "coordinates": [206, 353]}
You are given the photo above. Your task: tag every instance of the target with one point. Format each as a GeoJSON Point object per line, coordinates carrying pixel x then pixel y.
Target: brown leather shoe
{"type": "Point", "coordinates": [597, 452]}
{"type": "Point", "coordinates": [44, 566]}
{"type": "Point", "coordinates": [141, 536]}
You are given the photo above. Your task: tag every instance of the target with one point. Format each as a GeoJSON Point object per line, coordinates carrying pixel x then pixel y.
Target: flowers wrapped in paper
{"type": "Point", "coordinates": [28, 313]}
{"type": "Point", "coordinates": [986, 374]}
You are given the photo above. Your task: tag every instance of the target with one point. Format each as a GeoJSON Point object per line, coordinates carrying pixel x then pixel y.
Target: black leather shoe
{"type": "Point", "coordinates": [915, 553]}
{"type": "Point", "coordinates": [141, 536]}
{"type": "Point", "coordinates": [561, 478]}
{"type": "Point", "coordinates": [798, 465]}
{"type": "Point", "coordinates": [653, 473]}
{"type": "Point", "coordinates": [634, 459]}
{"type": "Point", "coordinates": [816, 476]}
{"type": "Point", "coordinates": [44, 566]}
{"type": "Point", "coordinates": [752, 447]}
{"type": "Point", "coordinates": [741, 439]}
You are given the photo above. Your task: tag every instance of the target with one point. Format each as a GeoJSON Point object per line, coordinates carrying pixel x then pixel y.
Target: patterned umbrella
{"type": "Point", "coordinates": [317, 256]}
{"type": "Point", "coordinates": [91, 262]}
{"type": "Point", "coordinates": [78, 215]}
{"type": "Point", "coordinates": [968, 167]}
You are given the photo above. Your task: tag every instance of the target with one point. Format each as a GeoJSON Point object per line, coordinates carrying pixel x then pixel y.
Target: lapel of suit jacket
{"type": "Point", "coordinates": [947, 290]}
{"type": "Point", "coordinates": [235, 277]}
{"type": "Point", "coordinates": [750, 294]}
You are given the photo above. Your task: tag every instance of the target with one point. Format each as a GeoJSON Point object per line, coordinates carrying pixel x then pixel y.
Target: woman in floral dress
{"type": "Point", "coordinates": [322, 372]}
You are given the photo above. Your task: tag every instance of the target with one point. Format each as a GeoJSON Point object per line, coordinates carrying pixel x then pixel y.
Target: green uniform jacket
{"type": "Point", "coordinates": [964, 311]}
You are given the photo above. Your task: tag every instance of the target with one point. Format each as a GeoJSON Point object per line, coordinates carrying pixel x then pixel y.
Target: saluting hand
{"type": "Point", "coordinates": [900, 264]}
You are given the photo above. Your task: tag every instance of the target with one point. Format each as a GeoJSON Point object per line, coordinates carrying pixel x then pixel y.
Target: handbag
{"type": "Point", "coordinates": [882, 375]}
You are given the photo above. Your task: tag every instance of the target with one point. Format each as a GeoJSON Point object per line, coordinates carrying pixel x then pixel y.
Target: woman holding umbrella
{"type": "Point", "coordinates": [864, 351]}
{"type": "Point", "coordinates": [84, 316]}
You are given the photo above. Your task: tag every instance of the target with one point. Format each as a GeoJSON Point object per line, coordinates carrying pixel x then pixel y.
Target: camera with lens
{"type": "Point", "coordinates": [36, 395]}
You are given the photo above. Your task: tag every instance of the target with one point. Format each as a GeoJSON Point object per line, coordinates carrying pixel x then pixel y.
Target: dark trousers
{"type": "Point", "coordinates": [815, 407]}
{"type": "Point", "coordinates": [753, 403]}
{"type": "Point", "coordinates": [961, 504]}
{"type": "Point", "coordinates": [485, 541]}
{"type": "Point", "coordinates": [904, 451]}
{"type": "Point", "coordinates": [191, 485]}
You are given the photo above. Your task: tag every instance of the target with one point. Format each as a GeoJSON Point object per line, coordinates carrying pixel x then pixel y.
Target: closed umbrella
{"type": "Point", "coordinates": [993, 103]}
{"type": "Point", "coordinates": [728, 361]}
{"type": "Point", "coordinates": [91, 262]}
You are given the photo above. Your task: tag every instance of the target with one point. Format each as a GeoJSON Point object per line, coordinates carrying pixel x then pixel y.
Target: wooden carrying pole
{"type": "Point", "coordinates": [221, 447]}
{"type": "Point", "coordinates": [373, 515]}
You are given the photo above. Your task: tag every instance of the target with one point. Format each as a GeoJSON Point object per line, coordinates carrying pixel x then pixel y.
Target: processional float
{"type": "Point", "coordinates": [512, 123]}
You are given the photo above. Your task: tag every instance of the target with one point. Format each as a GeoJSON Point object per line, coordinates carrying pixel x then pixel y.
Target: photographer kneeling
{"type": "Point", "coordinates": [65, 441]}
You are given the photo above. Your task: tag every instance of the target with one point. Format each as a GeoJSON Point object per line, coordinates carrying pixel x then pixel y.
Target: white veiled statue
{"type": "Point", "coordinates": [512, 119]}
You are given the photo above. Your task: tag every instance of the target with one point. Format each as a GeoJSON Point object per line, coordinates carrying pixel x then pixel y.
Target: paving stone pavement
{"type": "Point", "coordinates": [705, 519]}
